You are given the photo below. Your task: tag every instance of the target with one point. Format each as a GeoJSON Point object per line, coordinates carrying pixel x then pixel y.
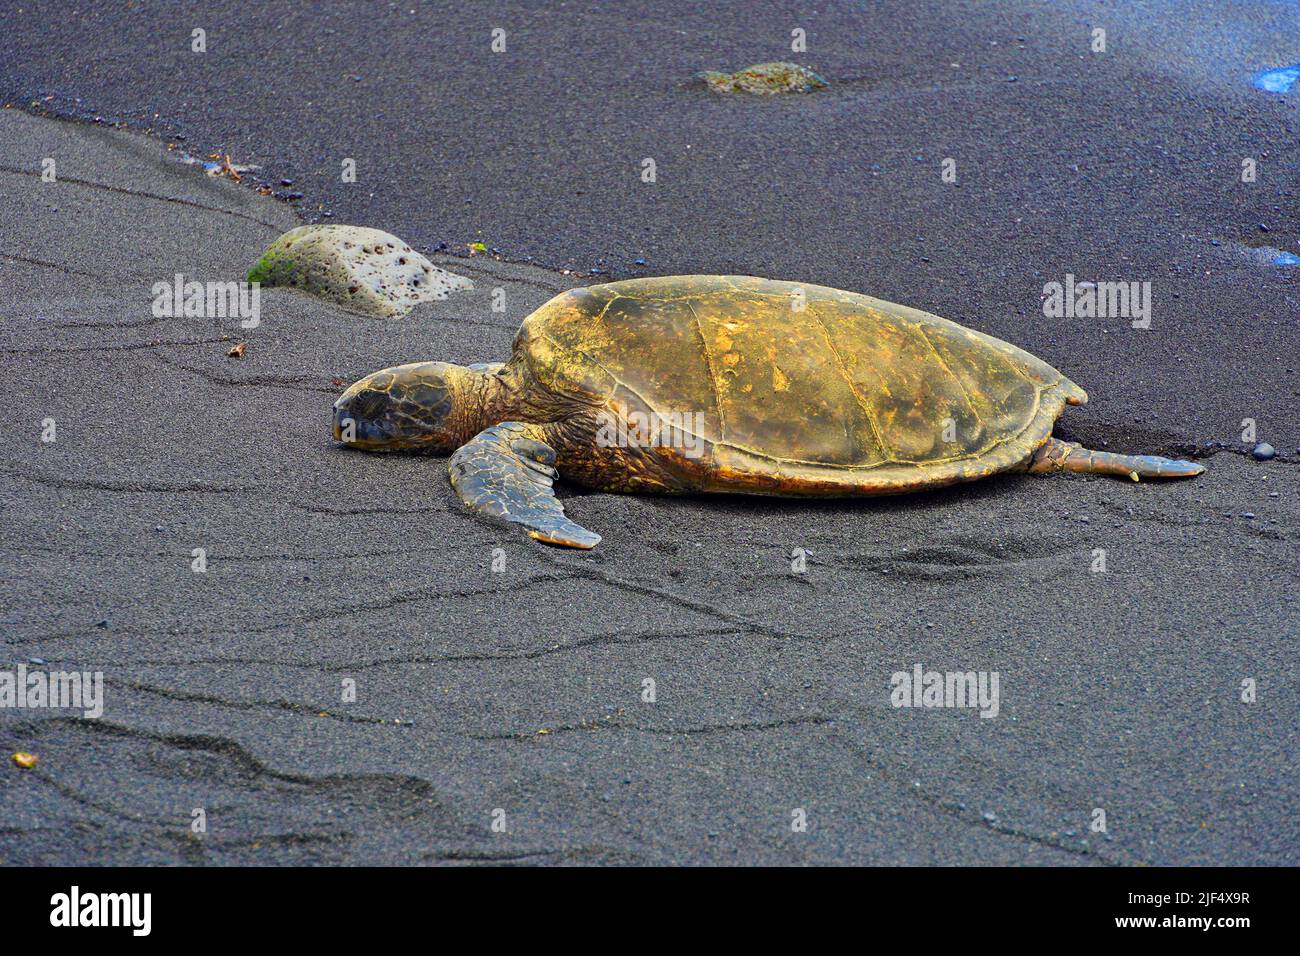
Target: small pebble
{"type": "Point", "coordinates": [990, 818]}
{"type": "Point", "coordinates": [1248, 515]}
{"type": "Point", "coordinates": [1264, 452]}
{"type": "Point", "coordinates": [38, 661]}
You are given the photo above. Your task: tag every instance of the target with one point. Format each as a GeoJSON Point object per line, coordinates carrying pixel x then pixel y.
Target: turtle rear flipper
{"type": "Point", "coordinates": [1057, 455]}
{"type": "Point", "coordinates": [506, 472]}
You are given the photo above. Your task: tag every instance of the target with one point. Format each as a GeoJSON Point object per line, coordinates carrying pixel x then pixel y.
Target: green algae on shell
{"type": "Point", "coordinates": [765, 79]}
{"type": "Point", "coordinates": [367, 270]}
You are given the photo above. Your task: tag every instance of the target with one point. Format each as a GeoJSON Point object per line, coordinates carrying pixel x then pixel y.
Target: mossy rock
{"type": "Point", "coordinates": [765, 79]}
{"type": "Point", "coordinates": [366, 270]}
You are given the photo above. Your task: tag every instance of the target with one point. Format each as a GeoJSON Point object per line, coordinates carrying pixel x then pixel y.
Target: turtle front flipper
{"type": "Point", "coordinates": [506, 472]}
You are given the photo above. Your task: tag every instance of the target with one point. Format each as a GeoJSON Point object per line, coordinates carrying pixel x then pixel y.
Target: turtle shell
{"type": "Point", "coordinates": [799, 388]}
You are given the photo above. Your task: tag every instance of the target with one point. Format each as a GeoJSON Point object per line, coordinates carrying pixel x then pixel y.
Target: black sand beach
{"type": "Point", "coordinates": [521, 691]}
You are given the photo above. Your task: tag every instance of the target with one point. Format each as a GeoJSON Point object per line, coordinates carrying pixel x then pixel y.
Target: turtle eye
{"type": "Point", "coordinates": [369, 403]}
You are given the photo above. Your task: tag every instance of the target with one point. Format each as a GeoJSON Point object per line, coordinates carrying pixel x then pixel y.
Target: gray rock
{"type": "Point", "coordinates": [1264, 452]}
{"type": "Point", "coordinates": [765, 79]}
{"type": "Point", "coordinates": [367, 270]}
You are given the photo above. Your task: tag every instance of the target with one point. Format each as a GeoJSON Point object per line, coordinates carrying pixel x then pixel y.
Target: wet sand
{"type": "Point", "coordinates": [522, 690]}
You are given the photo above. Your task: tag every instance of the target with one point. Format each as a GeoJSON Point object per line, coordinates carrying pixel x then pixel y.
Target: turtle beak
{"type": "Point", "coordinates": [338, 423]}
{"type": "Point", "coordinates": [362, 419]}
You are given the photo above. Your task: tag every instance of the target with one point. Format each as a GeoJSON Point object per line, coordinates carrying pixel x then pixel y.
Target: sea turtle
{"type": "Point", "coordinates": [685, 384]}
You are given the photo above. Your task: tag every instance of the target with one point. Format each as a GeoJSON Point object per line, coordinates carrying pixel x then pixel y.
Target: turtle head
{"type": "Point", "coordinates": [404, 408]}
